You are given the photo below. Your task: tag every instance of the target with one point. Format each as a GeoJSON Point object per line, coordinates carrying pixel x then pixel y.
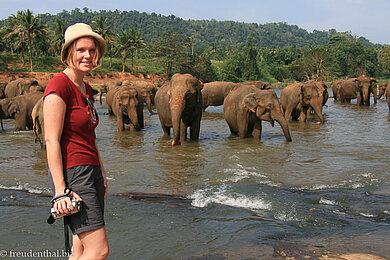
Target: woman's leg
{"type": "Point", "coordinates": [77, 248]}
{"type": "Point", "coordinates": [95, 244]}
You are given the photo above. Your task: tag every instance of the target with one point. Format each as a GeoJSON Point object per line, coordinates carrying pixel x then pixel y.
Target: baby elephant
{"type": "Point", "coordinates": [246, 106]}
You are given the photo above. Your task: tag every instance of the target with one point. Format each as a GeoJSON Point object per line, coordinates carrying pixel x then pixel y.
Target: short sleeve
{"type": "Point", "coordinates": [58, 84]}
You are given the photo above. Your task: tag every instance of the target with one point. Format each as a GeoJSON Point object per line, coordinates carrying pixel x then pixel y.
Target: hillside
{"type": "Point", "coordinates": [206, 32]}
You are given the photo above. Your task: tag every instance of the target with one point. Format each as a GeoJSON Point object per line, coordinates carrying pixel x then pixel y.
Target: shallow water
{"type": "Point", "coordinates": [327, 189]}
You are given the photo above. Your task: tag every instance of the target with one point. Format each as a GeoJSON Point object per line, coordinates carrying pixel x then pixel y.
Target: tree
{"type": "Point", "coordinates": [136, 42]}
{"type": "Point", "coordinates": [251, 71]}
{"type": "Point", "coordinates": [170, 50]}
{"type": "Point", "coordinates": [100, 26]}
{"type": "Point", "coordinates": [28, 28]}
{"type": "Point", "coordinates": [58, 39]}
{"type": "Point", "coordinates": [122, 46]}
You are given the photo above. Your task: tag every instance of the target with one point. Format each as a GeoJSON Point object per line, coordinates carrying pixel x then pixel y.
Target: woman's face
{"type": "Point", "coordinates": [85, 51]}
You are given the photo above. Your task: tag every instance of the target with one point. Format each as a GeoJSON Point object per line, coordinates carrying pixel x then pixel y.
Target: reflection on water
{"type": "Point", "coordinates": [327, 189]}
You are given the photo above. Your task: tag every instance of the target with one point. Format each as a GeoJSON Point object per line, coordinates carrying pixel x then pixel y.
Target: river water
{"type": "Point", "coordinates": [326, 191]}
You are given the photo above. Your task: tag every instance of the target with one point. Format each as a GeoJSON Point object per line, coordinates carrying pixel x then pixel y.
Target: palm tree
{"type": "Point", "coordinates": [101, 27]}
{"type": "Point", "coordinates": [190, 44]}
{"type": "Point", "coordinates": [136, 42]}
{"type": "Point", "coordinates": [122, 45]}
{"type": "Point", "coordinates": [59, 38]}
{"type": "Point", "coordinates": [28, 28]}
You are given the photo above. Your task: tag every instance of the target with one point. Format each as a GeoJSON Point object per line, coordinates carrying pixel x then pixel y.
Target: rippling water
{"type": "Point", "coordinates": [326, 191]}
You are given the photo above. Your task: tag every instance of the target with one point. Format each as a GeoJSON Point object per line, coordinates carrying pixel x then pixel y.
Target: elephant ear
{"type": "Point", "coordinates": [249, 102]}
{"type": "Point", "coordinates": [19, 87]}
{"type": "Point", "coordinates": [13, 108]}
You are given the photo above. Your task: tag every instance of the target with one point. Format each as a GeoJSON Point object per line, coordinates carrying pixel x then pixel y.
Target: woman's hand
{"type": "Point", "coordinates": [64, 205]}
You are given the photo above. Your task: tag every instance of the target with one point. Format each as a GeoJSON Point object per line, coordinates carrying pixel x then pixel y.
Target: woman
{"type": "Point", "coordinates": [73, 157]}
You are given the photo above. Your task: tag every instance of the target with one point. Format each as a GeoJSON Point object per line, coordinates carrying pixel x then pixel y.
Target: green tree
{"type": "Point", "coordinates": [58, 38]}
{"type": "Point", "coordinates": [123, 47]}
{"type": "Point", "coordinates": [169, 49]}
{"type": "Point", "coordinates": [100, 25]}
{"type": "Point", "coordinates": [136, 42]}
{"type": "Point", "coordinates": [28, 28]}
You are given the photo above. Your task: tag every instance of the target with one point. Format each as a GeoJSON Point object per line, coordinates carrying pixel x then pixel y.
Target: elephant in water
{"type": "Point", "coordinates": [127, 105]}
{"type": "Point", "coordinates": [213, 93]}
{"type": "Point", "coordinates": [359, 88]}
{"type": "Point", "coordinates": [20, 109]}
{"type": "Point", "coordinates": [19, 87]}
{"type": "Point", "coordinates": [148, 91]}
{"type": "Point", "coordinates": [298, 98]}
{"type": "Point", "coordinates": [179, 106]}
{"type": "Point", "coordinates": [246, 106]}
{"type": "Point", "coordinates": [38, 123]}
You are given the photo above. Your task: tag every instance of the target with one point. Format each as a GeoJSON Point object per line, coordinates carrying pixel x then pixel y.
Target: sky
{"type": "Point", "coordinates": [367, 18]}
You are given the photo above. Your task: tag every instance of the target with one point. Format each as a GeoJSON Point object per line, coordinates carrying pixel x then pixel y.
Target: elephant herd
{"type": "Point", "coordinates": [181, 101]}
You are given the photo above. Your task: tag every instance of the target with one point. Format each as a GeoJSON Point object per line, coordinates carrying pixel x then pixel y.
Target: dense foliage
{"type": "Point", "coordinates": [210, 50]}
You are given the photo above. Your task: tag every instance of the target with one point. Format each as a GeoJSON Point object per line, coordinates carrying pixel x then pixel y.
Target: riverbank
{"type": "Point", "coordinates": [94, 79]}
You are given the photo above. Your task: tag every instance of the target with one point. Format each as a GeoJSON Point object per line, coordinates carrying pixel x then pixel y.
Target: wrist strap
{"type": "Point", "coordinates": [66, 193]}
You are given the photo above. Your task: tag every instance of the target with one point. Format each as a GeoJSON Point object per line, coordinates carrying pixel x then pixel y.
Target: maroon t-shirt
{"type": "Point", "coordinates": [78, 135]}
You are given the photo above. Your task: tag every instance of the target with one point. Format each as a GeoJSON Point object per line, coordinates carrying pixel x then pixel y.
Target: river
{"type": "Point", "coordinates": [324, 192]}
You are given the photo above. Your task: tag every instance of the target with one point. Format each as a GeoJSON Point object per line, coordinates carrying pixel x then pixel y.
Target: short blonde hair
{"type": "Point", "coordinates": [71, 49]}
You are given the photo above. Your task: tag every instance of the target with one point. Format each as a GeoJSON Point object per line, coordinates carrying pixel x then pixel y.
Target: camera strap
{"type": "Point", "coordinates": [68, 249]}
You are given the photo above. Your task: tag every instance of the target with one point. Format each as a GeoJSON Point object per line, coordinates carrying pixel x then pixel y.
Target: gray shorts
{"type": "Point", "coordinates": [87, 182]}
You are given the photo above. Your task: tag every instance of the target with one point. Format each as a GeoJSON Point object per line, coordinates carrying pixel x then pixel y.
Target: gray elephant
{"type": "Point", "coordinates": [127, 105]}
{"type": "Point", "coordinates": [19, 87]}
{"type": "Point", "coordinates": [148, 91]}
{"type": "Point", "coordinates": [3, 84]}
{"type": "Point", "coordinates": [382, 89]}
{"type": "Point", "coordinates": [38, 123]}
{"type": "Point", "coordinates": [245, 107]}
{"type": "Point", "coordinates": [359, 88]}
{"type": "Point", "coordinates": [297, 98]}
{"type": "Point", "coordinates": [20, 109]}
{"type": "Point", "coordinates": [179, 106]}
{"type": "Point", "coordinates": [106, 87]}
{"type": "Point", "coordinates": [374, 91]}
{"type": "Point", "coordinates": [335, 89]}
{"type": "Point", "coordinates": [259, 84]}
{"type": "Point", "coordinates": [213, 93]}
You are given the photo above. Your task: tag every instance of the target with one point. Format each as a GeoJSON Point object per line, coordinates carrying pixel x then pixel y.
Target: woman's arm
{"type": "Point", "coordinates": [54, 109]}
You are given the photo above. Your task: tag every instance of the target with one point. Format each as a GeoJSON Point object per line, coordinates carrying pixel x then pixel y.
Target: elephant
{"type": "Point", "coordinates": [3, 84]}
{"type": "Point", "coordinates": [382, 89]}
{"type": "Point", "coordinates": [245, 107]}
{"type": "Point", "coordinates": [322, 88]}
{"type": "Point", "coordinates": [179, 106]}
{"type": "Point", "coordinates": [19, 87]}
{"type": "Point", "coordinates": [36, 88]}
{"type": "Point", "coordinates": [374, 91]}
{"type": "Point", "coordinates": [387, 91]}
{"type": "Point", "coordinates": [106, 87]}
{"type": "Point", "coordinates": [335, 89]}
{"type": "Point", "coordinates": [127, 105]}
{"type": "Point", "coordinates": [148, 91]}
{"type": "Point", "coordinates": [20, 109]}
{"type": "Point", "coordinates": [257, 83]}
{"type": "Point", "coordinates": [213, 93]}
{"type": "Point", "coordinates": [359, 88]}
{"type": "Point", "coordinates": [38, 123]}
{"type": "Point", "coordinates": [297, 98]}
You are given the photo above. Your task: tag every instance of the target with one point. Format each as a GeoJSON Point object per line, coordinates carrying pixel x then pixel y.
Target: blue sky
{"type": "Point", "coordinates": [367, 18]}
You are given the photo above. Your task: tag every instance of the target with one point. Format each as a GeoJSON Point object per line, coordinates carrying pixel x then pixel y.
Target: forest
{"type": "Point", "coordinates": [208, 49]}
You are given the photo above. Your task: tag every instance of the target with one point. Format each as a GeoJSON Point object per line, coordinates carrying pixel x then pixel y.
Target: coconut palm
{"type": "Point", "coordinates": [136, 42]}
{"type": "Point", "coordinates": [122, 46]}
{"type": "Point", "coordinates": [100, 26]}
{"type": "Point", "coordinates": [59, 38]}
{"type": "Point", "coordinates": [28, 28]}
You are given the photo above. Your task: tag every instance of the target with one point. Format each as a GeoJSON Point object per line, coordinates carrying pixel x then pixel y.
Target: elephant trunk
{"type": "Point", "coordinates": [366, 97]}
{"type": "Point", "coordinates": [316, 104]}
{"type": "Point", "coordinates": [133, 116]}
{"type": "Point", "coordinates": [148, 102]}
{"type": "Point", "coordinates": [177, 107]}
{"type": "Point", "coordinates": [278, 117]}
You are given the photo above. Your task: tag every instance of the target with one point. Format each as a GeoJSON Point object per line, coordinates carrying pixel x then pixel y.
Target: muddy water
{"type": "Point", "coordinates": [326, 191]}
